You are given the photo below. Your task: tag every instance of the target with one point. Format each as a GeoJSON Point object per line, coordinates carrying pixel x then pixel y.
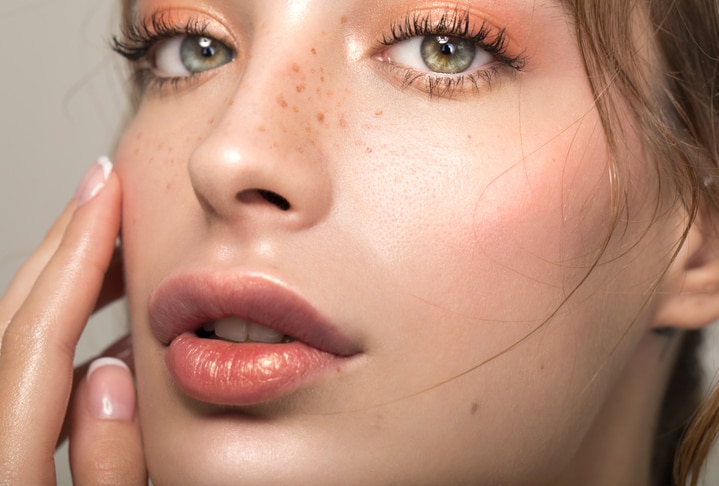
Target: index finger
{"type": "Point", "coordinates": [39, 343]}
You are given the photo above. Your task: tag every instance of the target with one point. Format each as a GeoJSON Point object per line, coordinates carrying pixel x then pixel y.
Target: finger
{"type": "Point", "coordinates": [105, 442]}
{"type": "Point", "coordinates": [113, 288]}
{"type": "Point", "coordinates": [39, 343]}
{"type": "Point", "coordinates": [26, 276]}
{"type": "Point", "coordinates": [120, 349]}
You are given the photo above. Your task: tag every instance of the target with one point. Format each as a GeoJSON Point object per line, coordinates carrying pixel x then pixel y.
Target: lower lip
{"type": "Point", "coordinates": [239, 374]}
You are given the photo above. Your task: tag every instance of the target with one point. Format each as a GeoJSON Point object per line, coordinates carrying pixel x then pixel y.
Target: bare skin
{"type": "Point", "coordinates": [42, 313]}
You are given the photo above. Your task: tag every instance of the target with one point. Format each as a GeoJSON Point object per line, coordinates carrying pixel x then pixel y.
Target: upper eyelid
{"type": "Point", "coordinates": [460, 23]}
{"type": "Point", "coordinates": [139, 34]}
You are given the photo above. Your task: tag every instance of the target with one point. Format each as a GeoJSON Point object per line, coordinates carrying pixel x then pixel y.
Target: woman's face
{"type": "Point", "coordinates": [422, 238]}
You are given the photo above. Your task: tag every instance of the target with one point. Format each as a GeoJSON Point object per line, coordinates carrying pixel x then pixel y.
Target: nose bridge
{"type": "Point", "coordinates": [265, 148]}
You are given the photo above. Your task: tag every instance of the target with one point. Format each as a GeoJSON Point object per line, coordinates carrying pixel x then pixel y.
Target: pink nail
{"type": "Point", "coordinates": [94, 180]}
{"type": "Point", "coordinates": [110, 390]}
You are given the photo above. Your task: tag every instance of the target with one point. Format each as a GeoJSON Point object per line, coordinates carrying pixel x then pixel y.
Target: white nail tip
{"type": "Point", "coordinates": [106, 164]}
{"type": "Point", "coordinates": [106, 361]}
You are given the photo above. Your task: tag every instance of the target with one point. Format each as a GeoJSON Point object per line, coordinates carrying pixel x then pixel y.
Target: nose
{"type": "Point", "coordinates": [261, 161]}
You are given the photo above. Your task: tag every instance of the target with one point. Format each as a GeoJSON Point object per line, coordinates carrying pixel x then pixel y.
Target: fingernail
{"type": "Point", "coordinates": [94, 180]}
{"type": "Point", "coordinates": [111, 392]}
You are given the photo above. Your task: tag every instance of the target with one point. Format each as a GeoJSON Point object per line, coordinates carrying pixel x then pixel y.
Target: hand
{"type": "Point", "coordinates": [42, 315]}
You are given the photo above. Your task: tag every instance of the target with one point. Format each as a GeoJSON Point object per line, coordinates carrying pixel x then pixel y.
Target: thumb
{"type": "Point", "coordinates": [105, 442]}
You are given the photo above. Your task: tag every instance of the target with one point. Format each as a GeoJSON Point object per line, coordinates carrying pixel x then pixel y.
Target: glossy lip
{"type": "Point", "coordinates": [226, 373]}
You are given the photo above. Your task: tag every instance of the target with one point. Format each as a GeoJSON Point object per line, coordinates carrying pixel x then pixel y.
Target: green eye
{"type": "Point", "coordinates": [439, 54]}
{"type": "Point", "coordinates": [183, 56]}
{"type": "Point", "coordinates": [202, 54]}
{"type": "Point", "coordinates": [447, 55]}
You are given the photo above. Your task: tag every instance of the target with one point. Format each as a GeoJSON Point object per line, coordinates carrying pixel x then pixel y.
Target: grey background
{"type": "Point", "coordinates": [62, 104]}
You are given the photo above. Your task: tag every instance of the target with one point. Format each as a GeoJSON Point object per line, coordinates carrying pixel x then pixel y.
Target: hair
{"type": "Point", "coordinates": [674, 103]}
{"type": "Point", "coordinates": [670, 89]}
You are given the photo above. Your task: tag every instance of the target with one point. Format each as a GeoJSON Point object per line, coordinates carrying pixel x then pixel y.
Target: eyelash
{"type": "Point", "coordinates": [139, 37]}
{"type": "Point", "coordinates": [453, 24]}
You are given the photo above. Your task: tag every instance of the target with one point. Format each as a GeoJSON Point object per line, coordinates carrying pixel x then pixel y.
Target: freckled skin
{"type": "Point", "coordinates": [438, 234]}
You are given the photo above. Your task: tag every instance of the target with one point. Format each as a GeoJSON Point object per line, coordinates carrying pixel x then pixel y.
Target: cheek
{"type": "Point", "coordinates": [151, 165]}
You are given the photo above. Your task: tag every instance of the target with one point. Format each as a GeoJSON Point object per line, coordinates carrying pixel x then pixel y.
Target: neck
{"type": "Point", "coordinates": [618, 448]}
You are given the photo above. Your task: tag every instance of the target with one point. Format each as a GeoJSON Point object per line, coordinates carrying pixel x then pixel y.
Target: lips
{"type": "Point", "coordinates": [229, 373]}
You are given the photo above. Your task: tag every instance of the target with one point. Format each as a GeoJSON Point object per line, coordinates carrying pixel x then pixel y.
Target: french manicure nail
{"type": "Point", "coordinates": [110, 390]}
{"type": "Point", "coordinates": [94, 180]}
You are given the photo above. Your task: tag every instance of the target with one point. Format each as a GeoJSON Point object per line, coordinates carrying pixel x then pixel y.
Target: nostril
{"type": "Point", "coordinates": [269, 196]}
{"type": "Point", "coordinates": [275, 199]}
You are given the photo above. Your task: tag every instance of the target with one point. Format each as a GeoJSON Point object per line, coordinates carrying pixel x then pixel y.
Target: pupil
{"type": "Point", "coordinates": [208, 51]}
{"type": "Point", "coordinates": [448, 49]}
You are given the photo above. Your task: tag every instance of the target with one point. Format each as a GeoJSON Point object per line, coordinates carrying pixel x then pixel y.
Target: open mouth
{"type": "Point", "coordinates": [236, 330]}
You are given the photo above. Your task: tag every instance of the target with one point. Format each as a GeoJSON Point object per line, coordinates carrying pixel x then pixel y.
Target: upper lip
{"type": "Point", "coordinates": [184, 302]}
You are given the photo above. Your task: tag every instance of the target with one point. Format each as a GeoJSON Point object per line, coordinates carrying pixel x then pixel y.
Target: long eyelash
{"type": "Point", "coordinates": [139, 36]}
{"type": "Point", "coordinates": [454, 24]}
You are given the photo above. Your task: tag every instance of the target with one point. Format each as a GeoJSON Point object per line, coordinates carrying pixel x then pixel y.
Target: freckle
{"type": "Point", "coordinates": [322, 70]}
{"type": "Point", "coordinates": [475, 408]}
{"type": "Point", "coordinates": [313, 51]}
{"type": "Point", "coordinates": [211, 121]}
{"type": "Point", "coordinates": [320, 117]}
{"type": "Point", "coordinates": [137, 151]}
{"type": "Point", "coordinates": [138, 136]}
{"type": "Point", "coordinates": [329, 93]}
{"type": "Point", "coordinates": [469, 137]}
{"type": "Point", "coordinates": [281, 101]}
{"type": "Point", "coordinates": [168, 187]}
{"type": "Point", "coordinates": [343, 20]}
{"type": "Point", "coordinates": [378, 113]}
{"type": "Point", "coordinates": [261, 128]}
{"type": "Point", "coordinates": [296, 67]}
{"type": "Point", "coordinates": [301, 150]}
{"type": "Point", "coordinates": [231, 102]}
{"type": "Point", "coordinates": [343, 122]}
{"type": "Point", "coordinates": [324, 33]}
{"type": "Point", "coordinates": [296, 109]}
{"type": "Point", "coordinates": [368, 150]}
{"type": "Point", "coordinates": [322, 79]}
{"type": "Point", "coordinates": [301, 88]}
{"type": "Point", "coordinates": [199, 138]}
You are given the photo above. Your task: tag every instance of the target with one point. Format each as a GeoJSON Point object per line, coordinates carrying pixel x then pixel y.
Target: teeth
{"type": "Point", "coordinates": [262, 334]}
{"type": "Point", "coordinates": [232, 329]}
{"type": "Point", "coordinates": [239, 331]}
